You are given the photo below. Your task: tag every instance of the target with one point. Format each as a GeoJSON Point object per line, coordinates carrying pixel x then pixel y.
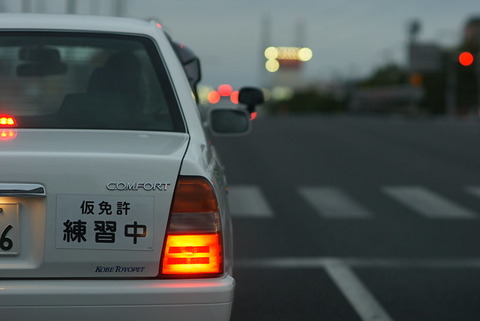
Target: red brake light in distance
{"type": "Point", "coordinates": [234, 97]}
{"type": "Point", "coordinates": [225, 90]}
{"type": "Point", "coordinates": [193, 244]}
{"type": "Point", "coordinates": [214, 97]}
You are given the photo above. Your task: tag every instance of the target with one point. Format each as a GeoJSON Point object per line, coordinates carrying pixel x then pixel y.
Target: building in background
{"type": "Point", "coordinates": [471, 32]}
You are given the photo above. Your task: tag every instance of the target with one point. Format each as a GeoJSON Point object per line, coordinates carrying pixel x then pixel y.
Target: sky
{"type": "Point", "coordinates": [349, 38]}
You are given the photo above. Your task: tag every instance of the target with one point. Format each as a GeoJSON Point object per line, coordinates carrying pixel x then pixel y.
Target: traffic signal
{"type": "Point", "coordinates": [416, 79]}
{"type": "Point", "coordinates": [465, 59]}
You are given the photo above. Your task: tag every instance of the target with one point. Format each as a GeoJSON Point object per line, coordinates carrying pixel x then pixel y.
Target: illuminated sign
{"type": "Point", "coordinates": [288, 57]}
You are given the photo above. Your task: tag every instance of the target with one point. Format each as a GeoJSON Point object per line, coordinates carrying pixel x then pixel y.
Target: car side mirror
{"type": "Point", "coordinates": [191, 65]}
{"type": "Point", "coordinates": [251, 97]}
{"type": "Point", "coordinates": [193, 71]}
{"type": "Point", "coordinates": [228, 122]}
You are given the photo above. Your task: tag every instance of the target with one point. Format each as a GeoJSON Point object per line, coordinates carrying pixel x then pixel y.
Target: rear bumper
{"type": "Point", "coordinates": [179, 300]}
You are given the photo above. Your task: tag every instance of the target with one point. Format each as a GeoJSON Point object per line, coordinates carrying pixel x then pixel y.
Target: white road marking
{"type": "Point", "coordinates": [333, 203]}
{"type": "Point", "coordinates": [429, 204]}
{"type": "Point", "coordinates": [322, 262]}
{"type": "Point", "coordinates": [248, 201]}
{"type": "Point", "coordinates": [361, 299]}
{"type": "Point", "coordinates": [475, 190]}
{"type": "Point", "coordinates": [340, 271]}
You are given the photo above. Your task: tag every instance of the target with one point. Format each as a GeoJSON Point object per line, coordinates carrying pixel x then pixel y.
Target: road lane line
{"type": "Point", "coordinates": [428, 204]}
{"type": "Point", "coordinates": [248, 201]}
{"type": "Point", "coordinates": [361, 299]}
{"type": "Point", "coordinates": [331, 202]}
{"type": "Point", "coordinates": [321, 262]}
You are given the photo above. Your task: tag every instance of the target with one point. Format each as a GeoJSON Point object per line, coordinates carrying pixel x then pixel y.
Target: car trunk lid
{"type": "Point", "coordinates": [86, 203]}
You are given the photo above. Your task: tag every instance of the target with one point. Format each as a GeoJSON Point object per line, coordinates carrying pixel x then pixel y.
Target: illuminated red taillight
{"type": "Point", "coordinates": [193, 243]}
{"type": "Point", "coordinates": [7, 121]}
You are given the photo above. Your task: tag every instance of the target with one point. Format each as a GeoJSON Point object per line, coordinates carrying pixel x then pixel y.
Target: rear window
{"type": "Point", "coordinates": [85, 81]}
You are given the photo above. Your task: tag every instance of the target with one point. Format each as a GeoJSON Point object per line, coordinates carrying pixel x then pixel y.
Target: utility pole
{"type": "Point", "coordinates": [95, 7]}
{"type": "Point", "coordinates": [119, 8]}
{"type": "Point", "coordinates": [299, 40]}
{"type": "Point", "coordinates": [71, 6]}
{"type": "Point", "coordinates": [26, 5]}
{"type": "Point", "coordinates": [450, 94]}
{"type": "Point", "coordinates": [477, 73]}
{"type": "Point", "coordinates": [41, 6]}
{"type": "Point", "coordinates": [413, 30]}
{"type": "Point", "coordinates": [265, 41]}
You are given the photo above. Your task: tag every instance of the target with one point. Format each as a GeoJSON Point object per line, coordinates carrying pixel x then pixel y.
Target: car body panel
{"type": "Point", "coordinates": [206, 299]}
{"type": "Point", "coordinates": [96, 167]}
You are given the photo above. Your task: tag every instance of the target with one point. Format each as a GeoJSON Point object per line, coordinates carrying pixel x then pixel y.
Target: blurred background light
{"type": "Point", "coordinates": [225, 90]}
{"type": "Point", "coordinates": [214, 97]}
{"type": "Point", "coordinates": [272, 65]}
{"type": "Point", "coordinates": [271, 53]}
{"type": "Point", "coordinates": [465, 58]}
{"type": "Point", "coordinates": [305, 54]}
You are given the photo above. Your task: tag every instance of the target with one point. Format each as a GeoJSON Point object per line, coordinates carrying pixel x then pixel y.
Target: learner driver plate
{"type": "Point", "coordinates": [105, 222]}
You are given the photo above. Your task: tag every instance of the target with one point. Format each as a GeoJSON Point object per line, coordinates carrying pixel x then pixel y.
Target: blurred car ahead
{"type": "Point", "coordinates": [112, 200]}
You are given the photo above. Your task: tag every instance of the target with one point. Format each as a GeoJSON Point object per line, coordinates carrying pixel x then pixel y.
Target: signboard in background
{"type": "Point", "coordinates": [424, 58]}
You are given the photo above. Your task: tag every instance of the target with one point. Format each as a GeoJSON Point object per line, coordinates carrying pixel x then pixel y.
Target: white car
{"type": "Point", "coordinates": [112, 200]}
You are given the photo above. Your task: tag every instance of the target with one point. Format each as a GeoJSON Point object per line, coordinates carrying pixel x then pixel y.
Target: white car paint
{"type": "Point", "coordinates": [50, 279]}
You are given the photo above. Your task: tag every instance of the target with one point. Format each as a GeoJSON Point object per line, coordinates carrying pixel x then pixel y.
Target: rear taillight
{"type": "Point", "coordinates": [7, 123]}
{"type": "Point", "coordinates": [193, 242]}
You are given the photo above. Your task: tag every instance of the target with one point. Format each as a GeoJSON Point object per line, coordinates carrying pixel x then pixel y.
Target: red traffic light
{"type": "Point", "coordinates": [465, 59]}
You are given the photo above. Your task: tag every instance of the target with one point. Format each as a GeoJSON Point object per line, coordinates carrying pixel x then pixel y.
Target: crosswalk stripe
{"type": "Point", "coordinates": [331, 202]}
{"type": "Point", "coordinates": [248, 201]}
{"type": "Point", "coordinates": [427, 203]}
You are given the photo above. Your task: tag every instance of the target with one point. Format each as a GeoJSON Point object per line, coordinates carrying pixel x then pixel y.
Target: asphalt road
{"type": "Point", "coordinates": [356, 218]}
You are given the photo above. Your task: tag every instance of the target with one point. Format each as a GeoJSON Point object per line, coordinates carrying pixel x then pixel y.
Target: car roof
{"type": "Point", "coordinates": [64, 22]}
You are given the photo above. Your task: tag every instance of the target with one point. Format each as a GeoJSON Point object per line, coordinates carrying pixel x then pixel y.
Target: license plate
{"type": "Point", "coordinates": [9, 230]}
